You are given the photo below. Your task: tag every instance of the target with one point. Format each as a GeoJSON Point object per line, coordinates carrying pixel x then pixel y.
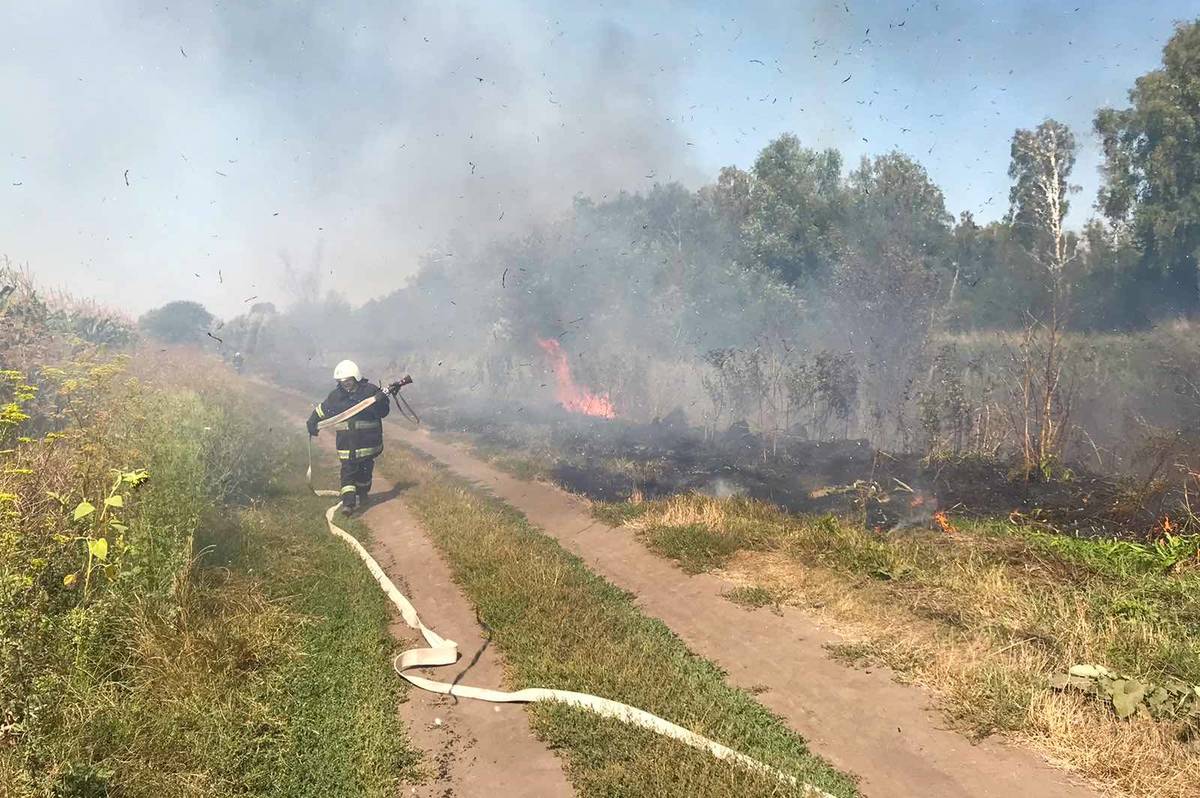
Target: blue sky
{"type": "Point", "coordinates": [947, 82]}
{"type": "Point", "coordinates": [358, 136]}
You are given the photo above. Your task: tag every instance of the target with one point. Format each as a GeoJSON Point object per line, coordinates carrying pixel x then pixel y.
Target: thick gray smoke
{"type": "Point", "coordinates": [161, 143]}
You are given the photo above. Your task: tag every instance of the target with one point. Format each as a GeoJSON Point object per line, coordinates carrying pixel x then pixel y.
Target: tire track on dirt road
{"type": "Point", "coordinates": [885, 733]}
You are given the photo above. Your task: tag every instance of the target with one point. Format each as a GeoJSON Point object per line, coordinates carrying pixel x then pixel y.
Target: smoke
{"type": "Point", "coordinates": [153, 144]}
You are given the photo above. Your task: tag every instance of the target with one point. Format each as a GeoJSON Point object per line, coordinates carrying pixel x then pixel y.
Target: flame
{"type": "Point", "coordinates": [571, 396]}
{"type": "Point", "coordinates": [943, 521]}
{"type": "Point", "coordinates": [1165, 529]}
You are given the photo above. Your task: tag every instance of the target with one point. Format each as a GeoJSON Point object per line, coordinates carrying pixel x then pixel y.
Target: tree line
{"type": "Point", "coordinates": [836, 280]}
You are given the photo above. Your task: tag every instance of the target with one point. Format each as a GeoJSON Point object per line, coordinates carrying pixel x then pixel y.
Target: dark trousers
{"type": "Point", "coordinates": [356, 479]}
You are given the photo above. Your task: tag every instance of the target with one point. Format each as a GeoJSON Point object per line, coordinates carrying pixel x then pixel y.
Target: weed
{"type": "Point", "coordinates": [618, 513]}
{"type": "Point", "coordinates": [695, 547]}
{"type": "Point", "coordinates": [856, 654]}
{"type": "Point", "coordinates": [755, 597]}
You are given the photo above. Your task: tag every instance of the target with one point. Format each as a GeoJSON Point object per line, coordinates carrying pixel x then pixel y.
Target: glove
{"type": "Point", "coordinates": [312, 430]}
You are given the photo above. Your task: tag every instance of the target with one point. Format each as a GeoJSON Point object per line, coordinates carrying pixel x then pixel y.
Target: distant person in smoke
{"type": "Point", "coordinates": [359, 438]}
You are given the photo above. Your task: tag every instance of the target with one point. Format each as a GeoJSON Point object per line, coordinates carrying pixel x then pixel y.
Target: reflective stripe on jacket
{"type": "Point", "coordinates": [361, 436]}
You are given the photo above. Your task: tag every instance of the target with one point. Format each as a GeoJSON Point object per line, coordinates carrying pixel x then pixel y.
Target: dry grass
{"type": "Point", "coordinates": [980, 618]}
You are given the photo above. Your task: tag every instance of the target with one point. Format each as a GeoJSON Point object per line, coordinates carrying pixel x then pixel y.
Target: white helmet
{"type": "Point", "coordinates": [345, 370]}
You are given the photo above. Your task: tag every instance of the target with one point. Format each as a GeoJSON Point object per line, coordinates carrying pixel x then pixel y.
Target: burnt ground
{"type": "Point", "coordinates": [612, 460]}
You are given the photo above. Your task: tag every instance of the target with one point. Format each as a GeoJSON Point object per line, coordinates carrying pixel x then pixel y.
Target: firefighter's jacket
{"type": "Point", "coordinates": [360, 437]}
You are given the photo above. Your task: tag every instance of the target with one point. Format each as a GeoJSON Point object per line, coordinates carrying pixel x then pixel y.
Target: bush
{"type": "Point", "coordinates": [39, 329]}
{"type": "Point", "coordinates": [179, 322]}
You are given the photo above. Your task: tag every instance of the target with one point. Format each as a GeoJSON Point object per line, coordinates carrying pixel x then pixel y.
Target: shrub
{"type": "Point", "coordinates": [179, 322]}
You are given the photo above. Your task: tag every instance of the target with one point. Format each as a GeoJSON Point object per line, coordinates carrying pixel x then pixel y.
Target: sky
{"type": "Point", "coordinates": [215, 151]}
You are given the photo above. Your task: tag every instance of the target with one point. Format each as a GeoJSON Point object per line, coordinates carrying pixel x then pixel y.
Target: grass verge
{"type": "Point", "coordinates": [273, 681]}
{"type": "Point", "coordinates": [559, 625]}
{"type": "Point", "coordinates": [201, 634]}
{"type": "Point", "coordinates": [983, 616]}
{"type": "Point", "coordinates": [337, 701]}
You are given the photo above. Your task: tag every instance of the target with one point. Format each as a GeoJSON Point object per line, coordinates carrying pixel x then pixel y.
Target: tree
{"type": "Point", "coordinates": [996, 282]}
{"type": "Point", "coordinates": [1152, 170]}
{"type": "Point", "coordinates": [248, 332]}
{"type": "Point", "coordinates": [796, 203]}
{"type": "Point", "coordinates": [177, 322]}
{"type": "Point", "coordinates": [893, 195]}
{"type": "Point", "coordinates": [1107, 295]}
{"type": "Point", "coordinates": [731, 194]}
{"type": "Point", "coordinates": [889, 278]}
{"type": "Point", "coordinates": [1042, 160]}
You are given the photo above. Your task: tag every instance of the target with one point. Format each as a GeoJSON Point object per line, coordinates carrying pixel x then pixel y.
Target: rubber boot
{"type": "Point", "coordinates": [349, 504]}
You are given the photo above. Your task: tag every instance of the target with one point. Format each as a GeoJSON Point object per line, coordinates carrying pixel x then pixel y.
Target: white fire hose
{"type": "Point", "coordinates": [441, 651]}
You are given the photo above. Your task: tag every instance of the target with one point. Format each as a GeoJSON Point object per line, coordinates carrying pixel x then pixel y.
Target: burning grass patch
{"type": "Point", "coordinates": [984, 617]}
{"type": "Point", "coordinates": [559, 625]}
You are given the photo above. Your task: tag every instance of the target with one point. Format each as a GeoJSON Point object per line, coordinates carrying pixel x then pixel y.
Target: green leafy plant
{"type": "Point", "coordinates": [1171, 550]}
{"type": "Point", "coordinates": [1171, 700]}
{"type": "Point", "coordinates": [103, 524]}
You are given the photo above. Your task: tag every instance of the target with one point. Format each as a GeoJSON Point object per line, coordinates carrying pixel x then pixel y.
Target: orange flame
{"type": "Point", "coordinates": [943, 521]}
{"type": "Point", "coordinates": [571, 396]}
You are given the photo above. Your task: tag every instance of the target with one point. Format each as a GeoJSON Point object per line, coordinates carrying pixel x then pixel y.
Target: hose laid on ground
{"type": "Point", "coordinates": [441, 651]}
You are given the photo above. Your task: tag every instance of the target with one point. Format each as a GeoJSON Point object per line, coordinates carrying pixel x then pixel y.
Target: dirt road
{"type": "Point", "coordinates": [472, 748]}
{"type": "Point", "coordinates": [863, 723]}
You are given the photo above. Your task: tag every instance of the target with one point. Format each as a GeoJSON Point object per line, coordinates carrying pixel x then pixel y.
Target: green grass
{"type": "Point", "coordinates": [755, 597]}
{"type": "Point", "coordinates": [694, 546]}
{"type": "Point", "coordinates": [559, 625]}
{"type": "Point", "coordinates": [617, 513]}
{"type": "Point", "coordinates": [1120, 559]}
{"type": "Point", "coordinates": [694, 542]}
{"type": "Point", "coordinates": [339, 734]}
{"type": "Point", "coordinates": [274, 680]}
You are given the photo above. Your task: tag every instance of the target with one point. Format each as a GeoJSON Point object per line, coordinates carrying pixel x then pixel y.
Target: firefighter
{"type": "Point", "coordinates": [238, 362]}
{"type": "Point", "coordinates": [359, 439]}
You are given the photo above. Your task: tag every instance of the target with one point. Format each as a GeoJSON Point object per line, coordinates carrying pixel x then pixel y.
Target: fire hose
{"type": "Point", "coordinates": [441, 651]}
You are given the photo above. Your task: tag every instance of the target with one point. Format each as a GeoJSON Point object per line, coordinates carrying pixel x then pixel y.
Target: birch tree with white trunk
{"type": "Point", "coordinates": [1042, 160]}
